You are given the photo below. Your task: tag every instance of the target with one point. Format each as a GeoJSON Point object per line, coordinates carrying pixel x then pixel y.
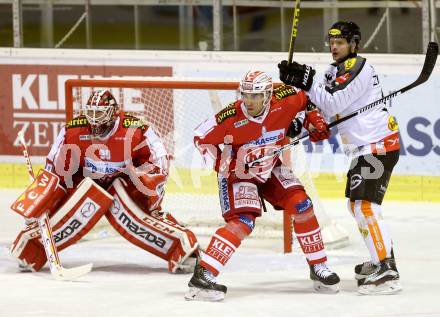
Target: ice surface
{"type": "Point", "coordinates": [126, 281]}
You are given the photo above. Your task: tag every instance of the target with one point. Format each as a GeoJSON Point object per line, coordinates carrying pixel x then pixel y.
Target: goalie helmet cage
{"type": "Point", "coordinates": [174, 108]}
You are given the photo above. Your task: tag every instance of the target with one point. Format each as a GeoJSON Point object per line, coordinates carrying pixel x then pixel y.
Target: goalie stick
{"type": "Point", "coordinates": [56, 269]}
{"type": "Point", "coordinates": [428, 66]}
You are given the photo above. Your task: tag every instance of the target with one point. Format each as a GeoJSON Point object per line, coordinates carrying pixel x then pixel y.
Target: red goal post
{"type": "Point", "coordinates": [172, 106]}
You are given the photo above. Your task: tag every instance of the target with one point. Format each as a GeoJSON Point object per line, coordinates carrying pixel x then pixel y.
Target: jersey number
{"type": "Point", "coordinates": [375, 80]}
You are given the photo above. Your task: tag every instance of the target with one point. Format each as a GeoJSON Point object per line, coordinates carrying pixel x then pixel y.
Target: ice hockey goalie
{"type": "Point", "coordinates": [110, 163]}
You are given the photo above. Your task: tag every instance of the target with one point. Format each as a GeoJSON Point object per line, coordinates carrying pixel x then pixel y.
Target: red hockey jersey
{"type": "Point", "coordinates": [232, 138]}
{"type": "Point", "coordinates": [131, 142]}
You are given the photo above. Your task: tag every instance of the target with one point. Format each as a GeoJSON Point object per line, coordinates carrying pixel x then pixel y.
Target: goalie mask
{"type": "Point", "coordinates": [256, 91]}
{"type": "Point", "coordinates": [100, 111]}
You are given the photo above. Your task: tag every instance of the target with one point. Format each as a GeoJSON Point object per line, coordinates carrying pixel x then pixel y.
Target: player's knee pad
{"type": "Point", "coordinates": [28, 250]}
{"type": "Point", "coordinates": [241, 225]}
{"type": "Point", "coordinates": [300, 206]}
{"type": "Point", "coordinates": [156, 233]}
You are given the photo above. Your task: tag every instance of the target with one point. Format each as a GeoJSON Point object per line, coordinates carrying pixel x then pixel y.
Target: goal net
{"type": "Point", "coordinates": [174, 108]}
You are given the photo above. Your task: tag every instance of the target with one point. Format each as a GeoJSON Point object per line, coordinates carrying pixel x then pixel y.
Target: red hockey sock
{"type": "Point", "coordinates": [223, 244]}
{"type": "Point", "coordinates": [309, 237]}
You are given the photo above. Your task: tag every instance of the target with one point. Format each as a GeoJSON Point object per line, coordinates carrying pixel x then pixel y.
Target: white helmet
{"type": "Point", "coordinates": [100, 111]}
{"type": "Point", "coordinates": [257, 82]}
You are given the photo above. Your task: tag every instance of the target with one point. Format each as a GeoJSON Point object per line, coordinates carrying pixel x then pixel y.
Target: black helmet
{"type": "Point", "coordinates": [348, 30]}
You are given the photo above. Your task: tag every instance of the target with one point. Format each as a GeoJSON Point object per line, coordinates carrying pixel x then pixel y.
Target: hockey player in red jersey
{"type": "Point", "coordinates": [370, 138]}
{"type": "Point", "coordinates": [247, 129]}
{"type": "Point", "coordinates": [106, 162]}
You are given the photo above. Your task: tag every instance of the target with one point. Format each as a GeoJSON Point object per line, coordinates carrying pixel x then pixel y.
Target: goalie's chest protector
{"type": "Point", "coordinates": [126, 145]}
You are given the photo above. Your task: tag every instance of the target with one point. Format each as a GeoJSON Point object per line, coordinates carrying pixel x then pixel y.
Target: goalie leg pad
{"type": "Point", "coordinates": [71, 222]}
{"type": "Point", "coordinates": [80, 213]}
{"type": "Point", "coordinates": [156, 233]}
{"type": "Point", "coordinates": [28, 250]}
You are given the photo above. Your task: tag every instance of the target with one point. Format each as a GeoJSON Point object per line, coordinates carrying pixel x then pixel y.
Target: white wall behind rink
{"type": "Point", "coordinates": [417, 111]}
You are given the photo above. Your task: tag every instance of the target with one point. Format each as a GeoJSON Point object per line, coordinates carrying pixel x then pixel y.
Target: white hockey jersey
{"type": "Point", "coordinates": [347, 87]}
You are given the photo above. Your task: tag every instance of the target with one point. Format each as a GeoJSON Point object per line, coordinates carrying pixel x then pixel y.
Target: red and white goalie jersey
{"type": "Point", "coordinates": [131, 143]}
{"type": "Point", "coordinates": [246, 138]}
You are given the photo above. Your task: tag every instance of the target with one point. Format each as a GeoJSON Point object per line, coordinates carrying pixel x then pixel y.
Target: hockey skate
{"type": "Point", "coordinates": [324, 280]}
{"type": "Point", "coordinates": [362, 270]}
{"type": "Point", "coordinates": [203, 286]}
{"type": "Point", "coordinates": [383, 280]}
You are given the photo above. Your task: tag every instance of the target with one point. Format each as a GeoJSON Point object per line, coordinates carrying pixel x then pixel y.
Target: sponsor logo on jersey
{"type": "Point", "coordinates": [241, 123]}
{"type": "Point", "coordinates": [103, 167]}
{"type": "Point", "coordinates": [355, 181]}
{"type": "Point", "coordinates": [226, 113]}
{"type": "Point", "coordinates": [268, 138]}
{"type": "Point", "coordinates": [328, 77]}
{"type": "Point", "coordinates": [283, 92]}
{"type": "Point", "coordinates": [342, 79]}
{"type": "Point", "coordinates": [129, 122]}
{"type": "Point", "coordinates": [304, 205]}
{"type": "Point", "coordinates": [275, 109]}
{"type": "Point", "coordinates": [392, 124]}
{"type": "Point", "coordinates": [286, 177]}
{"type": "Point", "coordinates": [77, 122]}
{"type": "Point", "coordinates": [224, 196]}
{"type": "Point", "coordinates": [85, 137]}
{"type": "Point", "coordinates": [349, 63]}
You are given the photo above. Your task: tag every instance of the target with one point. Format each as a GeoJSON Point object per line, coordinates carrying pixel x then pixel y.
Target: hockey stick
{"type": "Point", "coordinates": [295, 21]}
{"type": "Point", "coordinates": [428, 66]}
{"type": "Point", "coordinates": [56, 269]}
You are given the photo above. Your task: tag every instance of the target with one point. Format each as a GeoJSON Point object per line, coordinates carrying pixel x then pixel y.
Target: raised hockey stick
{"type": "Point", "coordinates": [295, 21]}
{"type": "Point", "coordinates": [428, 66]}
{"type": "Point", "coordinates": [56, 269]}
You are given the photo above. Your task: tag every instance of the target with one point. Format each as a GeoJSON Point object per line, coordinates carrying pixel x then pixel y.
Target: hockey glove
{"type": "Point", "coordinates": [316, 125]}
{"type": "Point", "coordinates": [294, 128]}
{"type": "Point", "coordinates": [297, 75]}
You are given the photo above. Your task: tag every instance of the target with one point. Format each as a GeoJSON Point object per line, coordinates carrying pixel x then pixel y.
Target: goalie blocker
{"type": "Point", "coordinates": [159, 235]}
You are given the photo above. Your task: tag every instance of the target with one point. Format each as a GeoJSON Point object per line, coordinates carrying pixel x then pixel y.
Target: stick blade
{"type": "Point", "coordinates": [430, 60]}
{"type": "Point", "coordinates": [74, 273]}
{"type": "Point", "coordinates": [428, 66]}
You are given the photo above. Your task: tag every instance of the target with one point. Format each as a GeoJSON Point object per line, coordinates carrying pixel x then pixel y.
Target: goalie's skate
{"type": "Point", "coordinates": [324, 280]}
{"type": "Point", "coordinates": [203, 286]}
{"type": "Point", "coordinates": [383, 281]}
